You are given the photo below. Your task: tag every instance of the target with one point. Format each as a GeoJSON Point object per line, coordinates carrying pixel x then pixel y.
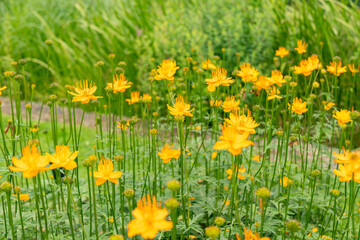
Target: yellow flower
{"type": "Point", "coordinates": [343, 117]}
{"type": "Point", "coordinates": [351, 68]}
{"type": "Point", "coordinates": [256, 158]}
{"type": "Point", "coordinates": [119, 83]}
{"type": "Point", "coordinates": [62, 158]}
{"type": "Point", "coordinates": [241, 122]}
{"type": "Point", "coordinates": [248, 73]}
{"type": "Point", "coordinates": [123, 125]}
{"type": "Point", "coordinates": [166, 70]}
{"type": "Point", "coordinates": [284, 181]}
{"type": "Point", "coordinates": [167, 153]}
{"type": "Point", "coordinates": [282, 52]}
{"type": "Point", "coordinates": [336, 69]}
{"type": "Point", "coordinates": [135, 98]}
{"type": "Point", "coordinates": [214, 155]}
{"type": "Point", "coordinates": [149, 218]}
{"type": "Point", "coordinates": [106, 172]}
{"type": "Point", "coordinates": [328, 105]}
{"type": "Point", "coordinates": [346, 173]}
{"type": "Point", "coordinates": [2, 89]}
{"type": "Point", "coordinates": [298, 106]}
{"type": "Point", "coordinates": [84, 92]}
{"type": "Point", "coordinates": [263, 83]}
{"type": "Point", "coordinates": [315, 62]}
{"type": "Point", "coordinates": [216, 103]}
{"type": "Point", "coordinates": [219, 78]}
{"type": "Point", "coordinates": [146, 98]}
{"type": "Point", "coordinates": [180, 108]}
{"type": "Point", "coordinates": [273, 93]}
{"type": "Point", "coordinates": [249, 235]}
{"type": "Point", "coordinates": [240, 171]}
{"type": "Point", "coordinates": [24, 197]}
{"type": "Point", "coordinates": [31, 162]}
{"type": "Point", "coordinates": [277, 78]}
{"type": "Point", "coordinates": [352, 158]}
{"type": "Point", "coordinates": [208, 65]}
{"type": "Point", "coordinates": [232, 140]}
{"type": "Point", "coordinates": [301, 47]}
{"type": "Point", "coordinates": [230, 104]}
{"type": "Point", "coordinates": [35, 128]}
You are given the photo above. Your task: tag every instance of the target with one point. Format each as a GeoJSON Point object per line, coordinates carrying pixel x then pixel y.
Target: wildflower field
{"type": "Point", "coordinates": [210, 146]}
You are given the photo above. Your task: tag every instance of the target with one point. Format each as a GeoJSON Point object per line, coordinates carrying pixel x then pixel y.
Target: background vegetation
{"type": "Point", "coordinates": [142, 33]}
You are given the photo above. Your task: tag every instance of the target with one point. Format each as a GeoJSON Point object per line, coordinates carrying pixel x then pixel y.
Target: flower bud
{"type": "Point", "coordinates": [293, 226]}
{"type": "Point", "coordinates": [172, 204]}
{"type": "Point", "coordinates": [335, 192]}
{"type": "Point", "coordinates": [117, 237]}
{"type": "Point", "coordinates": [129, 193]}
{"type": "Point", "coordinates": [48, 42]}
{"type": "Point", "coordinates": [280, 133]}
{"type": "Point", "coordinates": [111, 56]}
{"type": "Point", "coordinates": [118, 158]}
{"type": "Point", "coordinates": [174, 185]}
{"type": "Point", "coordinates": [293, 84]}
{"type": "Point", "coordinates": [315, 173]}
{"type": "Point", "coordinates": [354, 115]}
{"type": "Point", "coordinates": [263, 193]}
{"type": "Point", "coordinates": [287, 78]}
{"type": "Point", "coordinates": [219, 221]}
{"type": "Point", "coordinates": [316, 84]}
{"type": "Point", "coordinates": [153, 132]}
{"type": "Point", "coordinates": [19, 77]}
{"type": "Point", "coordinates": [212, 232]}
{"type": "Point", "coordinates": [17, 190]}
{"type": "Point", "coordinates": [6, 187]}
{"type": "Point", "coordinates": [99, 64]}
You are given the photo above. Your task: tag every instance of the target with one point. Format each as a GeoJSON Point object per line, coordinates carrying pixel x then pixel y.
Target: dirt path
{"type": "Point", "coordinates": [89, 117]}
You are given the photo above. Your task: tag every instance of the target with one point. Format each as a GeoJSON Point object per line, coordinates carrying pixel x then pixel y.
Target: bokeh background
{"type": "Point", "coordinates": [142, 33]}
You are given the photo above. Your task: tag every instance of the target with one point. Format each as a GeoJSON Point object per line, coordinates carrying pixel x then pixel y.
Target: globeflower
{"type": "Point", "coordinates": [208, 65]}
{"type": "Point", "coordinates": [2, 89]}
{"type": "Point", "coordinates": [277, 78]}
{"type": "Point", "coordinates": [119, 83]}
{"type": "Point", "coordinates": [84, 92]}
{"type": "Point", "coordinates": [166, 70]}
{"type": "Point", "coordinates": [346, 173]}
{"type": "Point", "coordinates": [352, 158]}
{"type": "Point", "coordinates": [263, 83]}
{"type": "Point", "coordinates": [31, 162]}
{"type": "Point", "coordinates": [298, 106]}
{"type": "Point", "coordinates": [149, 218]}
{"type": "Point", "coordinates": [282, 52]}
{"type": "Point", "coordinates": [240, 171]}
{"type": "Point", "coordinates": [167, 153]}
{"type": "Point", "coordinates": [301, 47]}
{"type": "Point", "coordinates": [352, 69]}
{"type": "Point", "coordinates": [273, 93]}
{"type": "Point", "coordinates": [305, 68]}
{"type": "Point", "coordinates": [242, 123]}
{"type": "Point", "coordinates": [180, 108]}
{"type": "Point", "coordinates": [232, 140]}
{"type": "Point", "coordinates": [135, 98]}
{"type": "Point", "coordinates": [230, 104]}
{"type": "Point", "coordinates": [328, 105]}
{"type": "Point", "coordinates": [219, 78]}
{"type": "Point", "coordinates": [336, 69]}
{"type": "Point", "coordinates": [106, 173]}
{"type": "Point", "coordinates": [62, 158]}
{"type": "Point", "coordinates": [247, 73]}
{"type": "Point", "coordinates": [343, 117]}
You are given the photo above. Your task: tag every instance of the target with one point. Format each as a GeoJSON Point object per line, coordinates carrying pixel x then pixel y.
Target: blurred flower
{"type": "Point", "coordinates": [301, 47]}
{"type": "Point", "coordinates": [273, 93]}
{"type": "Point", "coordinates": [241, 170]}
{"type": "Point", "coordinates": [282, 52]}
{"type": "Point", "coordinates": [232, 140]}
{"type": "Point", "coordinates": [166, 70]}
{"type": "Point", "coordinates": [135, 98]}
{"type": "Point", "coordinates": [106, 172]}
{"type": "Point", "coordinates": [298, 106]}
{"type": "Point", "coordinates": [2, 89]}
{"type": "Point", "coordinates": [263, 83]}
{"type": "Point", "coordinates": [35, 128]}
{"type": "Point", "coordinates": [247, 73]}
{"type": "Point", "coordinates": [24, 197]}
{"type": "Point", "coordinates": [62, 158]}
{"type": "Point", "coordinates": [119, 83]}
{"type": "Point", "coordinates": [328, 105]}
{"type": "Point", "coordinates": [149, 219]}
{"type": "Point", "coordinates": [167, 153]}
{"type": "Point", "coordinates": [249, 235]}
{"type": "Point", "coordinates": [343, 117]}
{"type": "Point", "coordinates": [30, 163]}
{"type": "Point", "coordinates": [123, 125]}
{"type": "Point", "coordinates": [256, 158]}
{"type": "Point", "coordinates": [230, 104]}
{"type": "Point", "coordinates": [84, 92]}
{"type": "Point", "coordinates": [277, 78]}
{"type": "Point", "coordinates": [208, 65]}
{"type": "Point", "coordinates": [346, 173]}
{"type": "Point", "coordinates": [219, 78]}
{"type": "Point", "coordinates": [335, 68]}
{"type": "Point", "coordinates": [180, 108]}
{"type": "Point", "coordinates": [351, 68]}
{"type": "Point", "coordinates": [146, 98]}
{"type": "Point", "coordinates": [216, 103]}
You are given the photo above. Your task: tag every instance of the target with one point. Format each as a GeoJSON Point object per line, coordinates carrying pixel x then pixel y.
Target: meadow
{"type": "Point", "coordinates": [240, 121]}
